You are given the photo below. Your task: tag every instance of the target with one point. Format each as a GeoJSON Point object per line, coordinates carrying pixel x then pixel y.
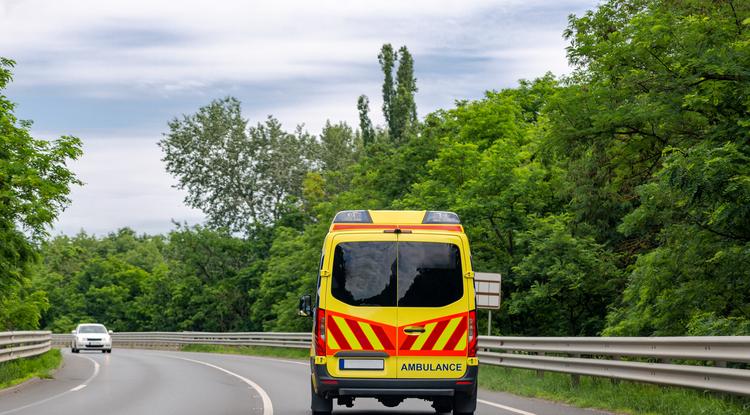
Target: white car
{"type": "Point", "coordinates": [91, 337]}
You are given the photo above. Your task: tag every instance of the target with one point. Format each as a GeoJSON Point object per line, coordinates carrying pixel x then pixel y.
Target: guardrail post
{"type": "Point", "coordinates": [613, 380]}
{"type": "Point", "coordinates": [540, 373]}
{"type": "Point", "coordinates": [575, 380]}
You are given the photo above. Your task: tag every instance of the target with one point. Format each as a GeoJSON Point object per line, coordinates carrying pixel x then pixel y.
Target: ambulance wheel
{"type": "Point", "coordinates": [318, 404]}
{"type": "Point", "coordinates": [442, 406]}
{"type": "Point", "coordinates": [465, 403]}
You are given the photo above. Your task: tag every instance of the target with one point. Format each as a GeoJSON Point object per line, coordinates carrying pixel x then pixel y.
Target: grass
{"type": "Point", "coordinates": [17, 371]}
{"type": "Point", "coordinates": [623, 397]}
{"type": "Point", "coordinates": [249, 350]}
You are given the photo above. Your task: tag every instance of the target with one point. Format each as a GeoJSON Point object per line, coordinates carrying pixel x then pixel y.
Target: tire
{"type": "Point", "coordinates": [442, 406]}
{"type": "Point", "coordinates": [74, 350]}
{"type": "Point", "coordinates": [109, 350]}
{"type": "Point", "coordinates": [465, 403]}
{"type": "Point", "coordinates": [318, 404]}
{"type": "Point", "coordinates": [104, 351]}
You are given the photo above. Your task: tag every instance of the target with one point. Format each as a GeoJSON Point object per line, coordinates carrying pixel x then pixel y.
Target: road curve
{"type": "Point", "coordinates": [161, 382]}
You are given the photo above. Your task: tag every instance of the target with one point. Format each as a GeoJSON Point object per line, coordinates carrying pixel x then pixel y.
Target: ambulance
{"type": "Point", "coordinates": [394, 316]}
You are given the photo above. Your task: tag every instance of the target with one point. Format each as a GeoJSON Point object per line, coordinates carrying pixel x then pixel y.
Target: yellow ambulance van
{"type": "Point", "coordinates": [394, 315]}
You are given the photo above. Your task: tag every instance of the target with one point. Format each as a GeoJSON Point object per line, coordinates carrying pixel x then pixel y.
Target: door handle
{"type": "Point", "coordinates": [414, 330]}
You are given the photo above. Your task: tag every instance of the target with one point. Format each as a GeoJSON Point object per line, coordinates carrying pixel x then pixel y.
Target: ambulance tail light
{"type": "Point", "coordinates": [472, 330]}
{"type": "Point", "coordinates": [320, 333]}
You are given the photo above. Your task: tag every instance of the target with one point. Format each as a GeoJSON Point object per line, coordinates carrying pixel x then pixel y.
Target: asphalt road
{"type": "Point", "coordinates": [159, 382]}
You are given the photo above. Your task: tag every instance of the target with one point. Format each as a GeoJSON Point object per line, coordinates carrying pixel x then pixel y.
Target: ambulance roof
{"type": "Point", "coordinates": [396, 220]}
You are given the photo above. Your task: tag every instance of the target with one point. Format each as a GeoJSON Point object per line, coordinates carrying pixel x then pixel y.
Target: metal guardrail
{"type": "Point", "coordinates": [649, 359]}
{"type": "Point", "coordinates": [177, 339]}
{"type": "Point", "coordinates": [17, 344]}
{"type": "Point", "coordinates": [702, 365]}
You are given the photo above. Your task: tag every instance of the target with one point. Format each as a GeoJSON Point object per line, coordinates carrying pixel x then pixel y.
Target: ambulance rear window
{"type": "Point", "coordinates": [429, 274]}
{"type": "Point", "coordinates": [364, 273]}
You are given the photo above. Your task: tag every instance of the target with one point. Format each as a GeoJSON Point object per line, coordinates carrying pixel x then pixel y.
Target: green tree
{"type": "Point", "coordinates": [403, 115]}
{"type": "Point", "coordinates": [338, 147]}
{"type": "Point", "coordinates": [236, 175]}
{"type": "Point", "coordinates": [34, 185]}
{"type": "Point", "coordinates": [387, 59]}
{"type": "Point", "coordinates": [365, 125]}
{"type": "Point", "coordinates": [655, 123]}
{"type": "Point", "coordinates": [563, 285]}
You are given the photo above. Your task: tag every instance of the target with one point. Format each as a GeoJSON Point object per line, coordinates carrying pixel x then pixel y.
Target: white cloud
{"type": "Point", "coordinates": [123, 68]}
{"type": "Point", "coordinates": [124, 185]}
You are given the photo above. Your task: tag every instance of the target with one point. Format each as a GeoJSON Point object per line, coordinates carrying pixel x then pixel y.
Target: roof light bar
{"type": "Point", "coordinates": [352, 216]}
{"type": "Point", "coordinates": [433, 216]}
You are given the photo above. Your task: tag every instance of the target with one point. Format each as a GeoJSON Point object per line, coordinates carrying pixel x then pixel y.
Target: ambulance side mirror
{"type": "Point", "coordinates": [305, 306]}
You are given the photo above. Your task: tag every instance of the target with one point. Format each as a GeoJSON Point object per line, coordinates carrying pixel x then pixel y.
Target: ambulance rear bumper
{"type": "Point", "coordinates": [372, 388]}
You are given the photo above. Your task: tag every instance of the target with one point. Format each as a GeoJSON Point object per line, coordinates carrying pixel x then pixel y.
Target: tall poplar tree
{"type": "Point", "coordinates": [365, 125]}
{"type": "Point", "coordinates": [403, 107]}
{"type": "Point", "coordinates": [387, 59]}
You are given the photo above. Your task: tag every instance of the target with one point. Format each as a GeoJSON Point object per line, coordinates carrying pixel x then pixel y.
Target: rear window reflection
{"type": "Point", "coordinates": [364, 273]}
{"type": "Point", "coordinates": [429, 274]}
{"type": "Point", "coordinates": [407, 274]}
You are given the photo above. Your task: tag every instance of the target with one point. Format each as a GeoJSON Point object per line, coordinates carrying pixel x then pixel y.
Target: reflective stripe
{"type": "Point", "coordinates": [408, 342]}
{"type": "Point", "coordinates": [447, 333]}
{"type": "Point", "coordinates": [371, 336]}
{"type": "Point", "coordinates": [349, 227]}
{"type": "Point", "coordinates": [346, 331]}
{"type": "Point", "coordinates": [461, 342]}
{"type": "Point", "coordinates": [459, 332]}
{"type": "Point", "coordinates": [332, 341]}
{"type": "Point", "coordinates": [444, 336]}
{"type": "Point", "coordinates": [383, 337]}
{"type": "Point", "coordinates": [359, 334]}
{"type": "Point", "coordinates": [422, 338]}
{"type": "Point", "coordinates": [333, 328]}
{"type": "Point", "coordinates": [435, 335]}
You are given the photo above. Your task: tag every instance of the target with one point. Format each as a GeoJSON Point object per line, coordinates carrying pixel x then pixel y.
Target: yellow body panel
{"type": "Point", "coordinates": [408, 316]}
{"type": "Point", "coordinates": [397, 217]}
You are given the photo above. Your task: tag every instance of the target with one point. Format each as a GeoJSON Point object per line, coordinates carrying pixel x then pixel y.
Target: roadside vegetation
{"type": "Point", "coordinates": [621, 397]}
{"type": "Point", "coordinates": [17, 371]}
{"type": "Point", "coordinates": [614, 200]}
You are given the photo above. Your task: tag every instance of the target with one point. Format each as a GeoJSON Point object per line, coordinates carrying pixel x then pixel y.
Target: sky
{"type": "Point", "coordinates": [113, 73]}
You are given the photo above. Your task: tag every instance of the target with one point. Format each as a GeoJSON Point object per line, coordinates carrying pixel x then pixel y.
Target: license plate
{"type": "Point", "coordinates": [361, 364]}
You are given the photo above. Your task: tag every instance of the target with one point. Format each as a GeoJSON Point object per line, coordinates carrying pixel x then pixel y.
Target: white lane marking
{"type": "Point", "coordinates": [247, 356]}
{"type": "Point", "coordinates": [507, 408]}
{"type": "Point", "coordinates": [267, 405]}
{"type": "Point", "coordinates": [77, 388]}
{"type": "Point", "coordinates": [270, 359]}
{"type": "Point", "coordinates": [244, 356]}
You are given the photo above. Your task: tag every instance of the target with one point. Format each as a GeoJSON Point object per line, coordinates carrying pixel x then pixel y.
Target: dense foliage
{"type": "Point", "coordinates": [615, 200]}
{"type": "Point", "coordinates": [34, 184]}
